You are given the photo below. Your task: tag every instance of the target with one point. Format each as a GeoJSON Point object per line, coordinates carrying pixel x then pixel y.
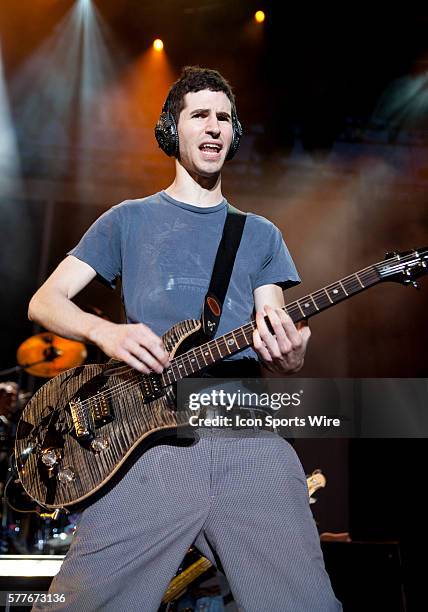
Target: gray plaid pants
{"type": "Point", "coordinates": [245, 496]}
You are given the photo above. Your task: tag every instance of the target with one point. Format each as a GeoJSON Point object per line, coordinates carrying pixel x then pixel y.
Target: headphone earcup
{"type": "Point", "coordinates": [166, 134]}
{"type": "Point", "coordinates": [236, 137]}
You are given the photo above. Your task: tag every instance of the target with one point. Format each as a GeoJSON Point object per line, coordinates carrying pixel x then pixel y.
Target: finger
{"type": "Point", "coordinates": [149, 340]}
{"type": "Point", "coordinates": [277, 318]}
{"type": "Point", "coordinates": [145, 357]}
{"type": "Point", "coordinates": [132, 361]}
{"type": "Point", "coordinates": [267, 337]}
{"type": "Point", "coordinates": [291, 330]}
{"type": "Point", "coordinates": [305, 332]}
{"type": "Point", "coordinates": [260, 347]}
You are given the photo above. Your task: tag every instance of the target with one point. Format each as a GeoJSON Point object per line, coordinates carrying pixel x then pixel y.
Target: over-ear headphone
{"type": "Point", "coordinates": [167, 134]}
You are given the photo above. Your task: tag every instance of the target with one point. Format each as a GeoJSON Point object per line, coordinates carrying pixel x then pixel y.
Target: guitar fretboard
{"type": "Point", "coordinates": [240, 338]}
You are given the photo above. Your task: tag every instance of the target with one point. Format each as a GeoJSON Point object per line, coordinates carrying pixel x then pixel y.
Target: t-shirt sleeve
{"type": "Point", "coordinates": [100, 247]}
{"type": "Point", "coordinates": [277, 267]}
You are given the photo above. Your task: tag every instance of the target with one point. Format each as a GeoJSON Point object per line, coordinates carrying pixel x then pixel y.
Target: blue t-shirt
{"type": "Point", "coordinates": [164, 251]}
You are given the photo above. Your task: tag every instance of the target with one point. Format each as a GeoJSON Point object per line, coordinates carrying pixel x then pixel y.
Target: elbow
{"type": "Point", "coordinates": [33, 308]}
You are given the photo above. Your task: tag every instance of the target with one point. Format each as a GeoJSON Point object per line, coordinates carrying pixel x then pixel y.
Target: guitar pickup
{"type": "Point", "coordinates": [151, 387]}
{"type": "Point", "coordinates": [100, 408]}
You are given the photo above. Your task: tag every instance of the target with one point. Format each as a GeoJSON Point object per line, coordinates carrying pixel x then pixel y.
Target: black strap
{"type": "Point", "coordinates": [222, 271]}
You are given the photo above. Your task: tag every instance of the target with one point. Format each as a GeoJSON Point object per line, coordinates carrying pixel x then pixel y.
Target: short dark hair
{"type": "Point", "coordinates": [193, 79]}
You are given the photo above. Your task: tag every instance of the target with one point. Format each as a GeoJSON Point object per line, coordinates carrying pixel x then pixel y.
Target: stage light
{"type": "Point", "coordinates": [157, 44]}
{"type": "Point", "coordinates": [9, 164]}
{"type": "Point", "coordinates": [259, 16]}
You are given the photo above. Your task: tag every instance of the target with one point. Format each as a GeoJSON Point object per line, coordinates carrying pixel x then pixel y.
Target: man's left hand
{"type": "Point", "coordinates": [284, 351]}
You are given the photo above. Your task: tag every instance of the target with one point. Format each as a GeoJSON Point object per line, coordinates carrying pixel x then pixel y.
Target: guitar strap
{"type": "Point", "coordinates": [222, 271]}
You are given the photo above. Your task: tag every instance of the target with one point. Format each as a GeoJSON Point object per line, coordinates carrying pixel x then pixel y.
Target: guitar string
{"type": "Point", "coordinates": [137, 380]}
{"type": "Point", "coordinates": [120, 387]}
{"type": "Point", "coordinates": [250, 326]}
{"type": "Point", "coordinates": [131, 383]}
{"type": "Point", "coordinates": [183, 360]}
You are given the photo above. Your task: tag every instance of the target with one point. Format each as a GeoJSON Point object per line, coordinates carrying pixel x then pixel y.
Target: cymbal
{"type": "Point", "coordinates": [47, 354]}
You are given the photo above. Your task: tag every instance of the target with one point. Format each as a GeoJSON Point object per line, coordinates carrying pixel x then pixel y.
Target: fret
{"type": "Point", "coordinates": [370, 276]}
{"type": "Point", "coordinates": [217, 348]}
{"type": "Point", "coordinates": [225, 349]}
{"type": "Point", "coordinates": [193, 360]}
{"type": "Point", "coordinates": [301, 310]}
{"type": "Point", "coordinates": [175, 371]}
{"type": "Point", "coordinates": [352, 284]}
{"type": "Point", "coordinates": [328, 295]}
{"type": "Point", "coordinates": [335, 292]}
{"type": "Point", "coordinates": [204, 353]}
{"type": "Point", "coordinates": [307, 306]}
{"type": "Point", "coordinates": [166, 376]}
{"type": "Point", "coordinates": [341, 284]}
{"type": "Point", "coordinates": [321, 300]}
{"type": "Point", "coordinates": [209, 348]}
{"type": "Point", "coordinates": [293, 312]}
{"type": "Point", "coordinates": [230, 343]}
{"type": "Point", "coordinates": [243, 343]}
{"type": "Point", "coordinates": [181, 366]}
{"type": "Point", "coordinates": [237, 342]}
{"type": "Point", "coordinates": [359, 280]}
{"type": "Point", "coordinates": [201, 354]}
{"type": "Point", "coordinates": [312, 298]}
{"type": "Point", "coordinates": [169, 373]}
{"type": "Point", "coordinates": [245, 336]}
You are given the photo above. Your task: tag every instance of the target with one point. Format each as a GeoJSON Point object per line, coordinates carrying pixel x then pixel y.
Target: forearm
{"type": "Point", "coordinates": [59, 314]}
{"type": "Point", "coordinates": [135, 343]}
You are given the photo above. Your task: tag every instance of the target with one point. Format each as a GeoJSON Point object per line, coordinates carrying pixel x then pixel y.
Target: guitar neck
{"type": "Point", "coordinates": [240, 338]}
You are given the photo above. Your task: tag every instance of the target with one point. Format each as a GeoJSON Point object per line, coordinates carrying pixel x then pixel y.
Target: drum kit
{"type": "Point", "coordinates": [43, 355]}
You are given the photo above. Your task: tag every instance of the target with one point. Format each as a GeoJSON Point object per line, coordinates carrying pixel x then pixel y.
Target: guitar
{"type": "Point", "coordinates": [82, 428]}
{"type": "Point", "coordinates": [200, 564]}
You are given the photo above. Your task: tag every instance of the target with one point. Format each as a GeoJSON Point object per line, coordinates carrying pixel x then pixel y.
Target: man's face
{"type": "Point", "coordinates": [205, 131]}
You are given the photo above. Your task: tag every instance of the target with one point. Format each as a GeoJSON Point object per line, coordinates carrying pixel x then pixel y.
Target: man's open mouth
{"type": "Point", "coordinates": [210, 149]}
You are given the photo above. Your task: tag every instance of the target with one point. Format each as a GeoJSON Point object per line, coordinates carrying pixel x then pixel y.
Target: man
{"type": "Point", "coordinates": [244, 498]}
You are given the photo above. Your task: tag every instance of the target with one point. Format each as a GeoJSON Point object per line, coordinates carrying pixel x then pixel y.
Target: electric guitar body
{"type": "Point", "coordinates": [79, 429]}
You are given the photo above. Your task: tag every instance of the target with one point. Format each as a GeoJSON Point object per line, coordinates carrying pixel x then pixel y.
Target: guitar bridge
{"type": "Point", "coordinates": [83, 420]}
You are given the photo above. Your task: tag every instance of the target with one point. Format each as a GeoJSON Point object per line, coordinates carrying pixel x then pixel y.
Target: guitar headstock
{"type": "Point", "coordinates": [405, 266]}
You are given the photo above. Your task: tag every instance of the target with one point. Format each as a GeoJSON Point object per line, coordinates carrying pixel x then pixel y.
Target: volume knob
{"type": "Point", "coordinates": [66, 475]}
{"type": "Point", "coordinates": [50, 457]}
{"type": "Point", "coordinates": [99, 444]}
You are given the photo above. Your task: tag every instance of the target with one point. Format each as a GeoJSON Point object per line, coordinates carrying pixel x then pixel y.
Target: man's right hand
{"type": "Point", "coordinates": [135, 344]}
{"type": "Point", "coordinates": [52, 307]}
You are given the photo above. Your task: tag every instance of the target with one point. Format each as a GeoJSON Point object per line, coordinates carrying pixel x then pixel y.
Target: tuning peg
{"type": "Point", "coordinates": [415, 285]}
